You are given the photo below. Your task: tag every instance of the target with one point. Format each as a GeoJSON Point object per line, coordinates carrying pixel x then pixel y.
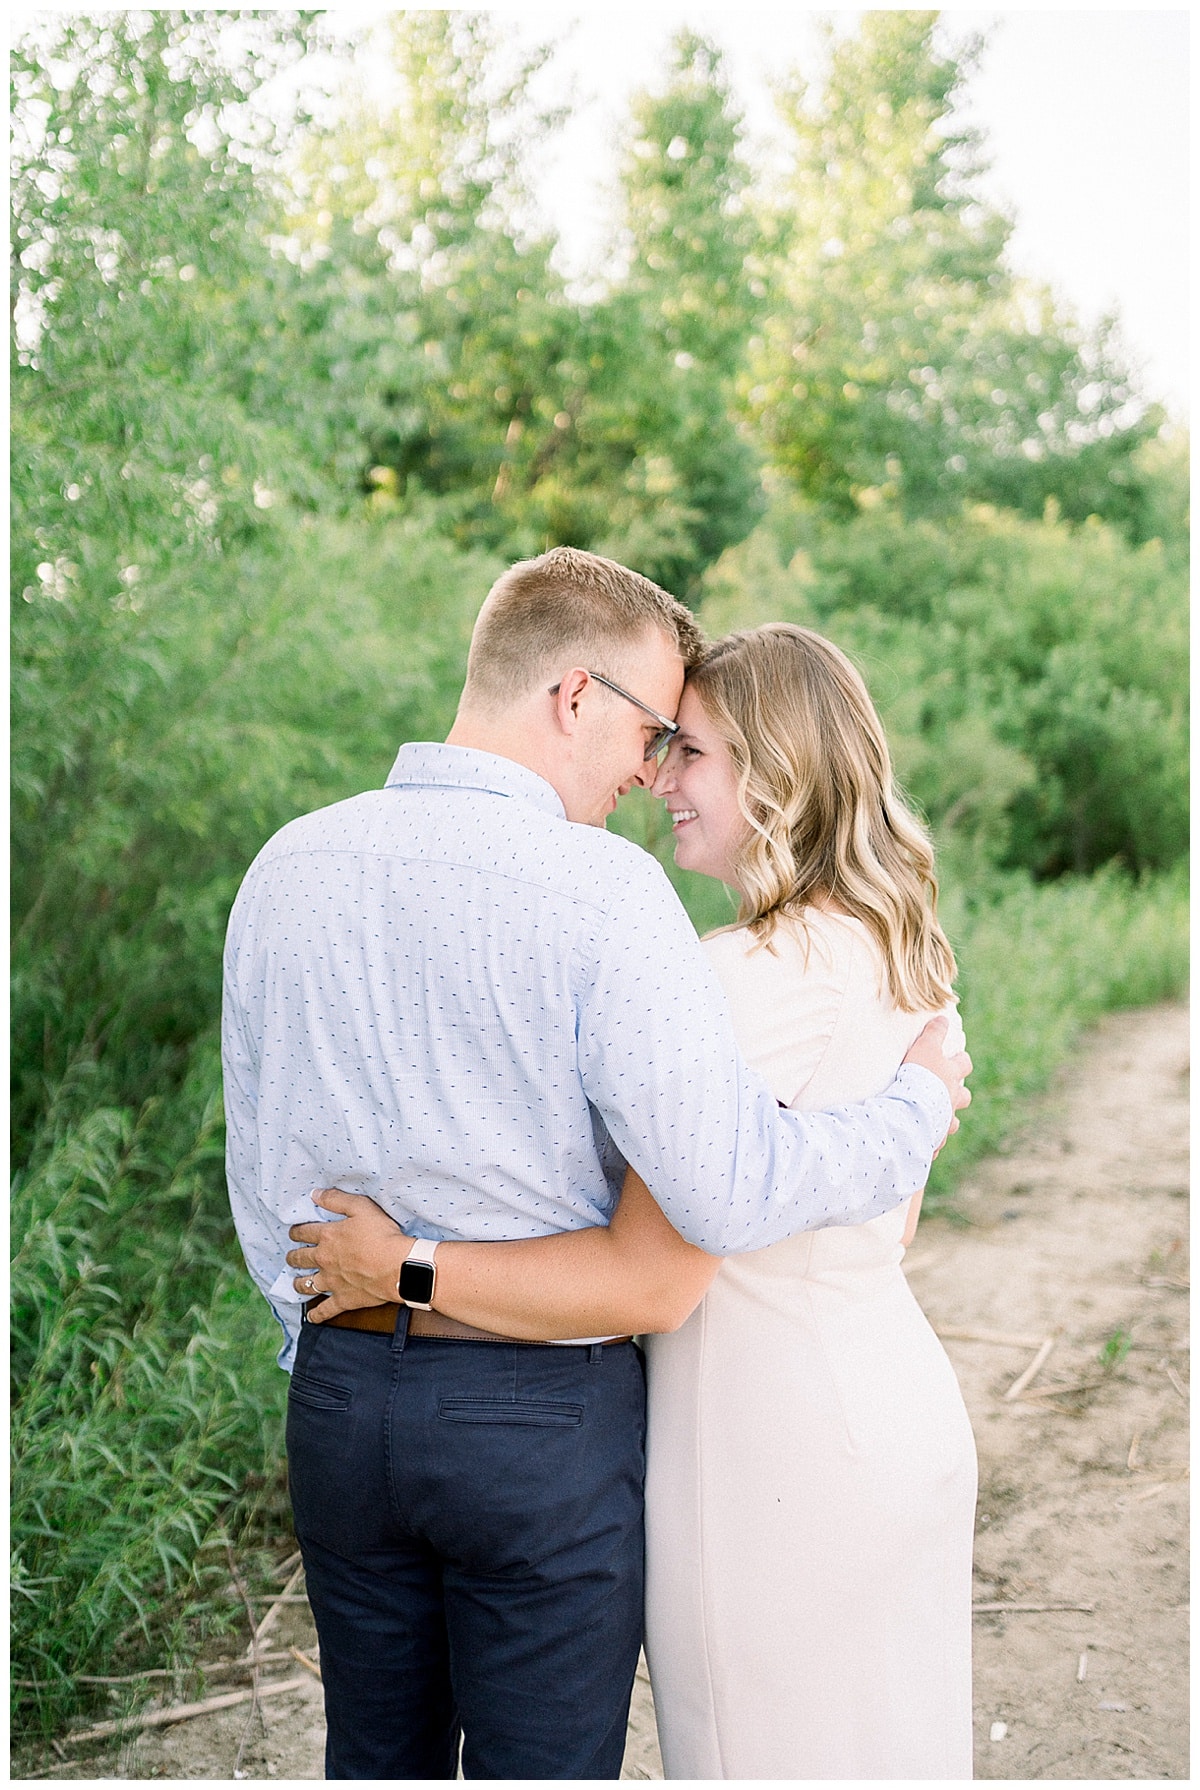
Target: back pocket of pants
{"type": "Point", "coordinates": [506, 1410]}
{"type": "Point", "coordinates": [318, 1393]}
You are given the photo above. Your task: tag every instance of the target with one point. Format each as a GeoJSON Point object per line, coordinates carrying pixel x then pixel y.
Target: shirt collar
{"type": "Point", "coordinates": [427, 764]}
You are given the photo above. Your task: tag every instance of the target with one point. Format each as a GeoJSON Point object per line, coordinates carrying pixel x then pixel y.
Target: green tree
{"type": "Point", "coordinates": [649, 463]}
{"type": "Point", "coordinates": [901, 360]}
{"type": "Point", "coordinates": [537, 418]}
{"type": "Point", "coordinates": [684, 311]}
{"type": "Point", "coordinates": [688, 226]}
{"type": "Point", "coordinates": [417, 215]}
{"type": "Point", "coordinates": [139, 193]}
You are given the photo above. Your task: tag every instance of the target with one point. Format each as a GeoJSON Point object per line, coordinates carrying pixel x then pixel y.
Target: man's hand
{"type": "Point", "coordinates": [928, 1052]}
{"type": "Point", "coordinates": [356, 1262]}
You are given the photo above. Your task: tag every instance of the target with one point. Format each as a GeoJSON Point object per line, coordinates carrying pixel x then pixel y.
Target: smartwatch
{"type": "Point", "coordinates": [418, 1276]}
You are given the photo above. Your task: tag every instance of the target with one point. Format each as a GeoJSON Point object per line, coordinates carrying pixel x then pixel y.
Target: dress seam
{"type": "Point", "coordinates": [705, 1647]}
{"type": "Point", "coordinates": [842, 993]}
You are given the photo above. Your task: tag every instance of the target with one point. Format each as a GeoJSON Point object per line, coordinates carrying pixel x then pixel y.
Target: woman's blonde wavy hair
{"type": "Point", "coordinates": [827, 823]}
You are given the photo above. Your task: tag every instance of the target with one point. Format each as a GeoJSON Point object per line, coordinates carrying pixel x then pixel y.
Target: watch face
{"type": "Point", "coordinates": [416, 1282]}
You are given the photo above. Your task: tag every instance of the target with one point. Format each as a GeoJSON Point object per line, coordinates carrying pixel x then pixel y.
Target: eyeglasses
{"type": "Point", "coordinates": [666, 729]}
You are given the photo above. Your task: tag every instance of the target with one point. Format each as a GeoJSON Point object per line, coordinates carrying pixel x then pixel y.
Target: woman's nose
{"type": "Point", "coordinates": [664, 778]}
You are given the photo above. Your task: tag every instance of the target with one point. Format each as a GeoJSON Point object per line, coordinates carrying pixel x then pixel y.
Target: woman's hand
{"type": "Point", "coordinates": [928, 1052]}
{"type": "Point", "coordinates": [356, 1261]}
{"type": "Point", "coordinates": [914, 1213]}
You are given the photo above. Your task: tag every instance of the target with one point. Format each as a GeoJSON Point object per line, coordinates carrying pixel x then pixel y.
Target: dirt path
{"type": "Point", "coordinates": [1078, 1233]}
{"type": "Point", "coordinates": [1083, 1491]}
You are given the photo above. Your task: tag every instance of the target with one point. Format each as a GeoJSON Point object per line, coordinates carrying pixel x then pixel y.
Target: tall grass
{"type": "Point", "coordinates": [1038, 962]}
{"type": "Point", "coordinates": [147, 1402]}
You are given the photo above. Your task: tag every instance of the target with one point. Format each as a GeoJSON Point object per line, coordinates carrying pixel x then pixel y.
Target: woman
{"type": "Point", "coordinates": [811, 1471]}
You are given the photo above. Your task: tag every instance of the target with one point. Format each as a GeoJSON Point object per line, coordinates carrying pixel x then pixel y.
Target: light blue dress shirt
{"type": "Point", "coordinates": [447, 996]}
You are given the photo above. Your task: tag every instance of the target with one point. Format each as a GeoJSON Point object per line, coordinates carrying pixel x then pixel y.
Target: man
{"type": "Point", "coordinates": [461, 996]}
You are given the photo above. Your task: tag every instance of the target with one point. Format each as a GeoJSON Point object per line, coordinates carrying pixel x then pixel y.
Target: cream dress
{"type": "Point", "coordinates": [811, 1469]}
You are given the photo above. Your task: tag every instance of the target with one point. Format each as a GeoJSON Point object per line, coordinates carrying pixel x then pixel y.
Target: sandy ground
{"type": "Point", "coordinates": [1081, 1231]}
{"type": "Point", "coordinates": [1078, 1233]}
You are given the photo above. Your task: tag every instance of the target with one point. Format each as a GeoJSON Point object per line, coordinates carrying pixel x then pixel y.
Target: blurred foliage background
{"type": "Point", "coordinates": [294, 378]}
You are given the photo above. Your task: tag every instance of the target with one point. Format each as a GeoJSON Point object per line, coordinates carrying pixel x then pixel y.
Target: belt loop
{"type": "Point", "coordinates": [400, 1333]}
{"type": "Point", "coordinates": [594, 1353]}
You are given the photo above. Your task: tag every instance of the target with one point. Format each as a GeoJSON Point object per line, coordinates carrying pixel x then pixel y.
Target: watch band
{"type": "Point", "coordinates": [418, 1276]}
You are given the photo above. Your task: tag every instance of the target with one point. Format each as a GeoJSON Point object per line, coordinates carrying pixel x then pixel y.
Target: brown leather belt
{"type": "Point", "coordinates": [382, 1320]}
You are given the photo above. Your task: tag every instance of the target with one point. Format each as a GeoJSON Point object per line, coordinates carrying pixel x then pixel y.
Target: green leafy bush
{"type": "Point", "coordinates": [1032, 674]}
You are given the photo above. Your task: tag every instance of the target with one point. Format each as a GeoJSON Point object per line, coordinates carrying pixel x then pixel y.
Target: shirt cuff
{"type": "Point", "coordinates": [928, 1092]}
{"type": "Point", "coordinates": [282, 1292]}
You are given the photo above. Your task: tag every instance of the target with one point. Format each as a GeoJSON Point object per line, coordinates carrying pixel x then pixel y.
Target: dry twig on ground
{"type": "Point", "coordinates": [1022, 1380]}
{"type": "Point", "coordinates": [182, 1712]}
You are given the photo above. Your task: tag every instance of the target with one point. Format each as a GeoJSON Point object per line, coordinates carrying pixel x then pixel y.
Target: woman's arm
{"type": "Point", "coordinates": [914, 1213]}
{"type": "Point", "coordinates": [955, 1041]}
{"type": "Point", "coordinates": [636, 1274]}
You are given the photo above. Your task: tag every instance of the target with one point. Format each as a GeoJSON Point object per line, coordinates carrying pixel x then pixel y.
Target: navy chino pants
{"type": "Point", "coordinates": [470, 1516]}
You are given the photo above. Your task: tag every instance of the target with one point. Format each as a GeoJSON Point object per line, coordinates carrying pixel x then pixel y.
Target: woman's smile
{"type": "Point", "coordinates": [699, 784]}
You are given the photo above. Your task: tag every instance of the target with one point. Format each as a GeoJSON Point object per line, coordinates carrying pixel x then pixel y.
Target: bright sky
{"type": "Point", "coordinates": [1085, 114]}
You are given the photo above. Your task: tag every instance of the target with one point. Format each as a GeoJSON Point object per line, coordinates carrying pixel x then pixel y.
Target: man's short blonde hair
{"type": "Point", "coordinates": [567, 607]}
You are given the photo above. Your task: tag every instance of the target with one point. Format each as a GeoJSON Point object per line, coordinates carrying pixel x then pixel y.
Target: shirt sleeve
{"type": "Point", "coordinates": [239, 1067]}
{"type": "Point", "coordinates": [730, 1168]}
{"type": "Point", "coordinates": [255, 1224]}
